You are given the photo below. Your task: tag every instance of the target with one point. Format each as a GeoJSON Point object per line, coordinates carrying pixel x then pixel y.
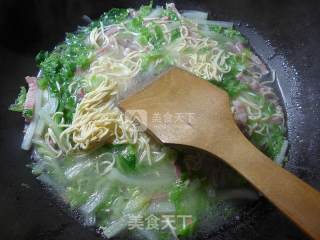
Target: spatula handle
{"type": "Point", "coordinates": [295, 198]}
{"type": "Point", "coordinates": [213, 129]}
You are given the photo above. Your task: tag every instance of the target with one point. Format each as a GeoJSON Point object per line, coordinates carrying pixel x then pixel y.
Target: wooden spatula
{"type": "Point", "coordinates": [203, 120]}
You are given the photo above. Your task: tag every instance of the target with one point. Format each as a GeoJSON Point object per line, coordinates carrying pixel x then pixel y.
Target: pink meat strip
{"type": "Point", "coordinates": [237, 48]}
{"type": "Point", "coordinates": [240, 112]}
{"type": "Point", "coordinates": [263, 68]}
{"type": "Point", "coordinates": [276, 119]}
{"type": "Point", "coordinates": [31, 94]}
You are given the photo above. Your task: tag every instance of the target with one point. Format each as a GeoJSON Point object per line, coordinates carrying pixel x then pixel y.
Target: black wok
{"type": "Point", "coordinates": [292, 28]}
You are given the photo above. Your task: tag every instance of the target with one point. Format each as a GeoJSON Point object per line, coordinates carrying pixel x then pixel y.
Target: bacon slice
{"type": "Point", "coordinates": [240, 112]}
{"type": "Point", "coordinates": [31, 94]}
